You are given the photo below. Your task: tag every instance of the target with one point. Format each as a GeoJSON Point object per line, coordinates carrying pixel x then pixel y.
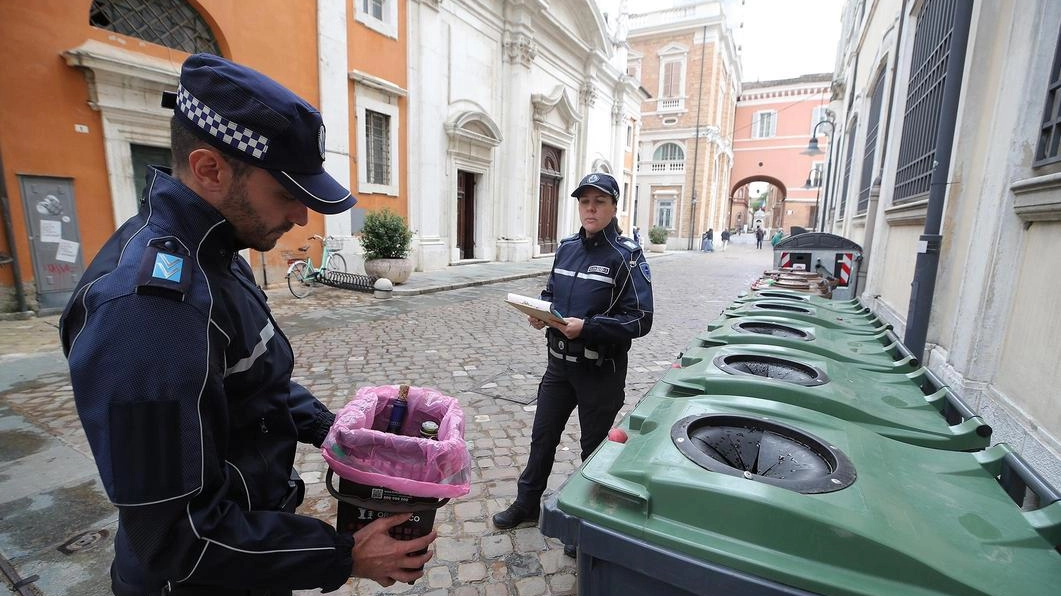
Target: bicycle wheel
{"type": "Point", "coordinates": [336, 262]}
{"type": "Point", "coordinates": [300, 281]}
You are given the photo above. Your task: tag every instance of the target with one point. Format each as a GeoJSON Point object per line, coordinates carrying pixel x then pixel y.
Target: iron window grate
{"type": "Point", "coordinates": [170, 23]}
{"type": "Point", "coordinates": [1050, 132]}
{"type": "Point", "coordinates": [870, 151]}
{"type": "Point", "coordinates": [850, 151]}
{"type": "Point", "coordinates": [924, 99]}
{"type": "Point", "coordinates": [377, 138]}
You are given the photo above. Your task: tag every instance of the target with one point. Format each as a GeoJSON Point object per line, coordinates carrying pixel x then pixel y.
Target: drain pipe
{"type": "Point", "coordinates": [9, 234]}
{"type": "Point", "coordinates": [923, 286]}
{"type": "Point", "coordinates": [696, 142]}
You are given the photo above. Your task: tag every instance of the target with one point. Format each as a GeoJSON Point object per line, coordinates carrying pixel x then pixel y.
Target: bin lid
{"type": "Point", "coordinates": [914, 521]}
{"type": "Point", "coordinates": [818, 241]}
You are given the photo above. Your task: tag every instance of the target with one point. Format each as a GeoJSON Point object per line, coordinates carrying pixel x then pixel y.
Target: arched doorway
{"type": "Point", "coordinates": [761, 201]}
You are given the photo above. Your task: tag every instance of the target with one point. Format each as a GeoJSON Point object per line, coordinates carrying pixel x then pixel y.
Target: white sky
{"type": "Point", "coordinates": [781, 38]}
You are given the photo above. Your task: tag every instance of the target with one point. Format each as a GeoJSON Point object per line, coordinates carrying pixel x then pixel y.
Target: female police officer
{"type": "Point", "coordinates": [181, 377]}
{"type": "Point", "coordinates": [601, 283]}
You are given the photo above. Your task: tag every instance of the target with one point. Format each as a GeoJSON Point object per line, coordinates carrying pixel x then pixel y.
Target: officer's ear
{"type": "Point", "coordinates": [208, 174]}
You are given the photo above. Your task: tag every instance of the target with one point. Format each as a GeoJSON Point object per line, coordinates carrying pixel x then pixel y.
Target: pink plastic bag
{"type": "Point", "coordinates": [404, 462]}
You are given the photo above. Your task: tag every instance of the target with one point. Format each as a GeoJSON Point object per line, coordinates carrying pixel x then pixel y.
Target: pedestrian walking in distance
{"type": "Point", "coordinates": [724, 237]}
{"type": "Point", "coordinates": [183, 382]}
{"type": "Point", "coordinates": [759, 235]}
{"type": "Point", "coordinates": [601, 283]}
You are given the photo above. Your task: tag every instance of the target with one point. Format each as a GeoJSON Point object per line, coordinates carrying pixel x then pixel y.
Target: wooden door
{"type": "Point", "coordinates": [548, 198]}
{"type": "Point", "coordinates": [466, 214]}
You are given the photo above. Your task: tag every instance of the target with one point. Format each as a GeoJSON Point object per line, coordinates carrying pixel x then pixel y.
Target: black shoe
{"type": "Point", "coordinates": [515, 515]}
{"type": "Point", "coordinates": [570, 550]}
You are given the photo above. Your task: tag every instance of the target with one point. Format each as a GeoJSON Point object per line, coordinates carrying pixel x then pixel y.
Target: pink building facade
{"type": "Point", "coordinates": [774, 122]}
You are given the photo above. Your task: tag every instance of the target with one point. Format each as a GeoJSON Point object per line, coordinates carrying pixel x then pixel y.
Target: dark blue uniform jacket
{"type": "Point", "coordinates": [605, 281]}
{"type": "Point", "coordinates": [183, 384]}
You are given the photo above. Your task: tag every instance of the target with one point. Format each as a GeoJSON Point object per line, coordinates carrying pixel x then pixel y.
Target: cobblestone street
{"type": "Point", "coordinates": [465, 342]}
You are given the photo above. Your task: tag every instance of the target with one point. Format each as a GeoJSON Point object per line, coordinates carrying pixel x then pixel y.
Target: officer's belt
{"type": "Point", "coordinates": [571, 350]}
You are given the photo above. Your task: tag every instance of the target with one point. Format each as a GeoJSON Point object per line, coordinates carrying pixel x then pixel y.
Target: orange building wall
{"type": "Point", "coordinates": [43, 98]}
{"type": "Point", "coordinates": [782, 162]}
{"type": "Point", "coordinates": [386, 58]}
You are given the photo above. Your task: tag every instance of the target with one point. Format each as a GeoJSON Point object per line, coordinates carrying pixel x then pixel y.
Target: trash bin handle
{"type": "Point", "coordinates": [1015, 468]}
{"type": "Point", "coordinates": [380, 505]}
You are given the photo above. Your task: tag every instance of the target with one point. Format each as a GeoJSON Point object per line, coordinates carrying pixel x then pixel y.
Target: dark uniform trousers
{"type": "Point", "coordinates": [596, 389]}
{"type": "Point", "coordinates": [121, 589]}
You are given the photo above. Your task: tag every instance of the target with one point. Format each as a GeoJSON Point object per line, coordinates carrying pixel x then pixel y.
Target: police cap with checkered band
{"type": "Point", "coordinates": [255, 119]}
{"type": "Point", "coordinates": [602, 182]}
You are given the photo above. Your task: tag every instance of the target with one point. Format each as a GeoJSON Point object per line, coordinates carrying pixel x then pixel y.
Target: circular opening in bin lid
{"type": "Point", "coordinates": [763, 451]}
{"type": "Point", "coordinates": [783, 295]}
{"type": "Point", "coordinates": [780, 306]}
{"type": "Point", "coordinates": [775, 329]}
{"type": "Point", "coordinates": [771, 367]}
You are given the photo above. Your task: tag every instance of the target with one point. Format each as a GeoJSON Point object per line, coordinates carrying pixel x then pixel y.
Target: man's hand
{"type": "Point", "coordinates": [385, 560]}
{"type": "Point", "coordinates": [536, 323]}
{"type": "Point", "coordinates": [572, 329]}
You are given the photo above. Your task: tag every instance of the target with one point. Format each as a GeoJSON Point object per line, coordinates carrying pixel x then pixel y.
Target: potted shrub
{"type": "Point", "coordinates": [657, 239]}
{"type": "Point", "coordinates": [385, 239]}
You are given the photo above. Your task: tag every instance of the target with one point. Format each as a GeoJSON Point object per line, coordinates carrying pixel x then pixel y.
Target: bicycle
{"type": "Point", "coordinates": [302, 276]}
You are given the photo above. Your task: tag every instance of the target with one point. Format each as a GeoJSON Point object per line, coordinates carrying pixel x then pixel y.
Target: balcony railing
{"type": "Point", "coordinates": [663, 166]}
{"type": "Point", "coordinates": [670, 104]}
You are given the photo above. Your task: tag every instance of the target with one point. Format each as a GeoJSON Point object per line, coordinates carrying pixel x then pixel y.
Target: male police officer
{"type": "Point", "coordinates": [181, 377]}
{"type": "Point", "coordinates": [601, 283]}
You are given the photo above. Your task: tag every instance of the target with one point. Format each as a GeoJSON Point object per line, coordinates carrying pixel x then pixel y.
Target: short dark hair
{"type": "Point", "coordinates": [183, 141]}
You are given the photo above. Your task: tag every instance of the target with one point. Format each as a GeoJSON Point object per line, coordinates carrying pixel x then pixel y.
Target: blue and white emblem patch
{"type": "Point", "coordinates": [168, 267]}
{"type": "Point", "coordinates": [646, 272]}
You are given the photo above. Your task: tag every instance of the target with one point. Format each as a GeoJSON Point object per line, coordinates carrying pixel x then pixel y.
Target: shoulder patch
{"type": "Point", "coordinates": [645, 271]}
{"type": "Point", "coordinates": [163, 273]}
{"type": "Point", "coordinates": [630, 244]}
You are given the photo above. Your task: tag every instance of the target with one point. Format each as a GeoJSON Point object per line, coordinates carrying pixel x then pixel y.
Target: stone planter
{"type": "Point", "coordinates": [657, 247]}
{"type": "Point", "coordinates": [396, 270]}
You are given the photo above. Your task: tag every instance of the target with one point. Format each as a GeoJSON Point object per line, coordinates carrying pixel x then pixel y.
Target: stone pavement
{"type": "Point", "coordinates": [463, 341]}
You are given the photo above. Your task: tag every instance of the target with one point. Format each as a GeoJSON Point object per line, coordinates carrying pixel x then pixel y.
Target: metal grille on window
{"type": "Point", "coordinates": [170, 23]}
{"type": "Point", "coordinates": [924, 98]}
{"type": "Point", "coordinates": [870, 152]}
{"type": "Point", "coordinates": [850, 141]}
{"type": "Point", "coordinates": [377, 139]}
{"type": "Point", "coordinates": [1050, 132]}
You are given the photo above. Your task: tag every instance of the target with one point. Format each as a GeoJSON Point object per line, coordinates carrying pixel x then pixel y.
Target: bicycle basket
{"type": "Point", "coordinates": [333, 243]}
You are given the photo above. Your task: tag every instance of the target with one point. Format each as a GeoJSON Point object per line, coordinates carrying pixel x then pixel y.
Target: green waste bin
{"type": "Point", "coordinates": [913, 407]}
{"type": "Point", "coordinates": [880, 351]}
{"type": "Point", "coordinates": [734, 495]}
{"type": "Point", "coordinates": [852, 305]}
{"type": "Point", "coordinates": [808, 313]}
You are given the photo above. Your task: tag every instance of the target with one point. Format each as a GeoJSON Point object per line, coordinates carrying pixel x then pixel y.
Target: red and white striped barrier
{"type": "Point", "coordinates": [845, 268]}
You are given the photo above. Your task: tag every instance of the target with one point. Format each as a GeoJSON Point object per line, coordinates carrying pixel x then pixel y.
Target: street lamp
{"type": "Point", "coordinates": [812, 149]}
{"type": "Point", "coordinates": [814, 180]}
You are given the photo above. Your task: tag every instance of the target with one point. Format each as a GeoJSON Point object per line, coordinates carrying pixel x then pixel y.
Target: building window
{"type": "Point", "coordinates": [169, 23]}
{"type": "Point", "coordinates": [664, 213]}
{"type": "Point", "coordinates": [764, 124]}
{"type": "Point", "coordinates": [668, 157]}
{"type": "Point", "coordinates": [849, 153]}
{"type": "Point", "coordinates": [377, 146]}
{"type": "Point", "coordinates": [379, 15]}
{"type": "Point", "coordinates": [820, 113]}
{"type": "Point", "coordinates": [629, 136]}
{"type": "Point", "coordinates": [1050, 132]}
{"type": "Point", "coordinates": [377, 141]}
{"type": "Point", "coordinates": [924, 98]}
{"type": "Point", "coordinates": [671, 92]}
{"type": "Point", "coordinates": [870, 152]}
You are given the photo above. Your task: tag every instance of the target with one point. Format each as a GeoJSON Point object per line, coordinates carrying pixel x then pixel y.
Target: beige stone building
{"type": "Point", "coordinates": [949, 117]}
{"type": "Point", "coordinates": [687, 61]}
